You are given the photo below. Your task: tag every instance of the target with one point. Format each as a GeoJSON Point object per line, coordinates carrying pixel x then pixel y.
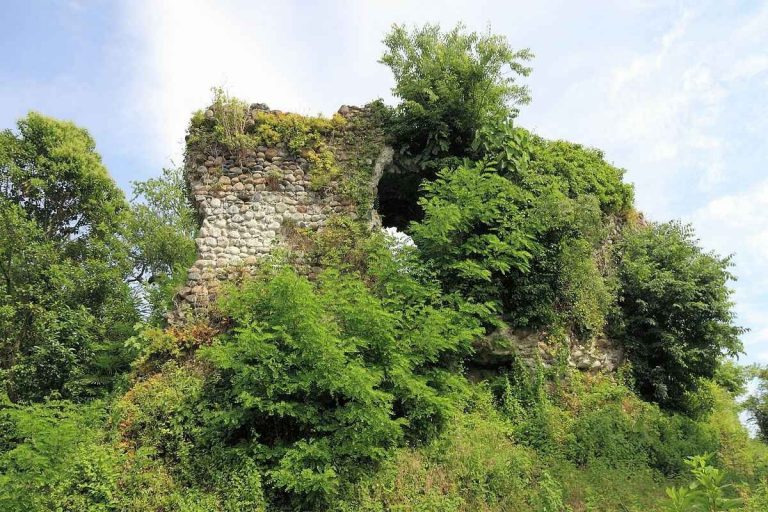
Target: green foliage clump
{"type": "Point", "coordinates": [64, 305]}
{"type": "Point", "coordinates": [449, 84]}
{"type": "Point", "coordinates": [71, 246]}
{"type": "Point", "coordinates": [597, 454]}
{"type": "Point", "coordinates": [757, 403]}
{"type": "Point", "coordinates": [474, 229]}
{"type": "Point", "coordinates": [677, 311]}
{"type": "Point", "coordinates": [160, 411]}
{"type": "Point", "coordinates": [226, 126]}
{"type": "Point", "coordinates": [315, 382]}
{"type": "Point", "coordinates": [505, 232]}
{"type": "Point", "coordinates": [475, 465]}
{"type": "Point", "coordinates": [707, 492]}
{"type": "Point", "coordinates": [161, 228]}
{"type": "Point", "coordinates": [53, 457]}
{"type": "Point", "coordinates": [326, 379]}
{"type": "Point", "coordinates": [583, 171]}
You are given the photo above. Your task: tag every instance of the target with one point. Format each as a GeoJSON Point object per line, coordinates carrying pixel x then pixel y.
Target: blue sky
{"type": "Point", "coordinates": [674, 92]}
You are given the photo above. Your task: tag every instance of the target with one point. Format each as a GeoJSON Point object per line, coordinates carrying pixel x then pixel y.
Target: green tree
{"type": "Point", "coordinates": [678, 321]}
{"type": "Point", "coordinates": [522, 229]}
{"type": "Point", "coordinates": [64, 305]}
{"type": "Point", "coordinates": [449, 84]}
{"type": "Point", "coordinates": [161, 230]}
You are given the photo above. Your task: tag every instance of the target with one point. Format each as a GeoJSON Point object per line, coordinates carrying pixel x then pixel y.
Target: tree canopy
{"type": "Point", "coordinates": [70, 245]}
{"type": "Point", "coordinates": [449, 84]}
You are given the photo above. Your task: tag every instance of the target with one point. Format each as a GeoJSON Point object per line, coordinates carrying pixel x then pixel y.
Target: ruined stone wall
{"type": "Point", "coordinates": [503, 346]}
{"type": "Point", "coordinates": [246, 199]}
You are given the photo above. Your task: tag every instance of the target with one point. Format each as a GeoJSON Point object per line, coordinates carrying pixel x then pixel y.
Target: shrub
{"type": "Point", "coordinates": [449, 83]}
{"type": "Point", "coordinates": [323, 380]}
{"type": "Point", "coordinates": [757, 404]}
{"type": "Point", "coordinates": [165, 412]}
{"type": "Point", "coordinates": [677, 311]}
{"type": "Point", "coordinates": [475, 465]}
{"type": "Point", "coordinates": [53, 458]}
{"type": "Point", "coordinates": [474, 230]}
{"type": "Point", "coordinates": [707, 492]}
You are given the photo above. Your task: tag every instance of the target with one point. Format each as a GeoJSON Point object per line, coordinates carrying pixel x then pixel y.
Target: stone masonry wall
{"type": "Point", "coordinates": [503, 346]}
{"type": "Point", "coordinates": [248, 200]}
{"type": "Point", "coordinates": [244, 201]}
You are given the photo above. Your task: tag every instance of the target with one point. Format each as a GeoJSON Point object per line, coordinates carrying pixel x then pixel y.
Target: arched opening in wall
{"type": "Point", "coordinates": [397, 198]}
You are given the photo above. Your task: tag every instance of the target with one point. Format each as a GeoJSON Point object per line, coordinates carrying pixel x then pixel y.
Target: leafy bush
{"type": "Point", "coordinates": [164, 412]}
{"type": "Point", "coordinates": [475, 465]}
{"type": "Point", "coordinates": [449, 84]}
{"type": "Point", "coordinates": [527, 250]}
{"type": "Point", "coordinates": [53, 458]}
{"type": "Point", "coordinates": [677, 311]}
{"type": "Point", "coordinates": [474, 230]}
{"type": "Point", "coordinates": [583, 172]}
{"type": "Point", "coordinates": [707, 492]}
{"type": "Point", "coordinates": [323, 380]}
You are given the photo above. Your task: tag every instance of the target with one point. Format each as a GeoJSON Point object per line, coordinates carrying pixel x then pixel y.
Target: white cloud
{"type": "Point", "coordinates": [738, 223]}
{"type": "Point", "coordinates": [304, 57]}
{"type": "Point", "coordinates": [738, 220]}
{"type": "Point", "coordinates": [191, 46]}
{"type": "Point", "coordinates": [660, 106]}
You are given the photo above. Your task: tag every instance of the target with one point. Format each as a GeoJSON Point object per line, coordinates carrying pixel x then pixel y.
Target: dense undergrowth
{"type": "Point", "coordinates": [349, 390]}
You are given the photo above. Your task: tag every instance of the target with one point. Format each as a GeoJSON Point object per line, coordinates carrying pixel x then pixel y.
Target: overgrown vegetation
{"type": "Point", "coordinates": [677, 320]}
{"type": "Point", "coordinates": [229, 124]}
{"type": "Point", "coordinates": [334, 377]}
{"type": "Point", "coordinates": [450, 85]}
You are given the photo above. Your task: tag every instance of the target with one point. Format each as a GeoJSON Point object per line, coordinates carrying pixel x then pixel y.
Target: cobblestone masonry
{"type": "Point", "coordinates": [245, 201]}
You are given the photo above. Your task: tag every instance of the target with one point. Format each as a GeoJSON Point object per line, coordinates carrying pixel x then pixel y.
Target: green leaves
{"type": "Point", "coordinates": [51, 458]}
{"type": "Point", "coordinates": [449, 84]}
{"type": "Point", "coordinates": [161, 231]}
{"type": "Point", "coordinates": [706, 493]}
{"type": "Point", "coordinates": [63, 261]}
{"type": "Point", "coordinates": [52, 171]}
{"type": "Point", "coordinates": [473, 228]}
{"type": "Point", "coordinates": [757, 403]}
{"type": "Point", "coordinates": [323, 379]}
{"type": "Point", "coordinates": [677, 310]}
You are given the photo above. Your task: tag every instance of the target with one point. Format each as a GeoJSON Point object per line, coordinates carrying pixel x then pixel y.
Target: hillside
{"type": "Point", "coordinates": [422, 307]}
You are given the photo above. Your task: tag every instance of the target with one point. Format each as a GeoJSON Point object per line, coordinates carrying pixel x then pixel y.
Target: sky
{"type": "Point", "coordinates": [675, 92]}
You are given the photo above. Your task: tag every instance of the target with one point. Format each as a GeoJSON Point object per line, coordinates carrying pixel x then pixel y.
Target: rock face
{"type": "Point", "coordinates": [245, 201]}
{"type": "Point", "coordinates": [503, 346]}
